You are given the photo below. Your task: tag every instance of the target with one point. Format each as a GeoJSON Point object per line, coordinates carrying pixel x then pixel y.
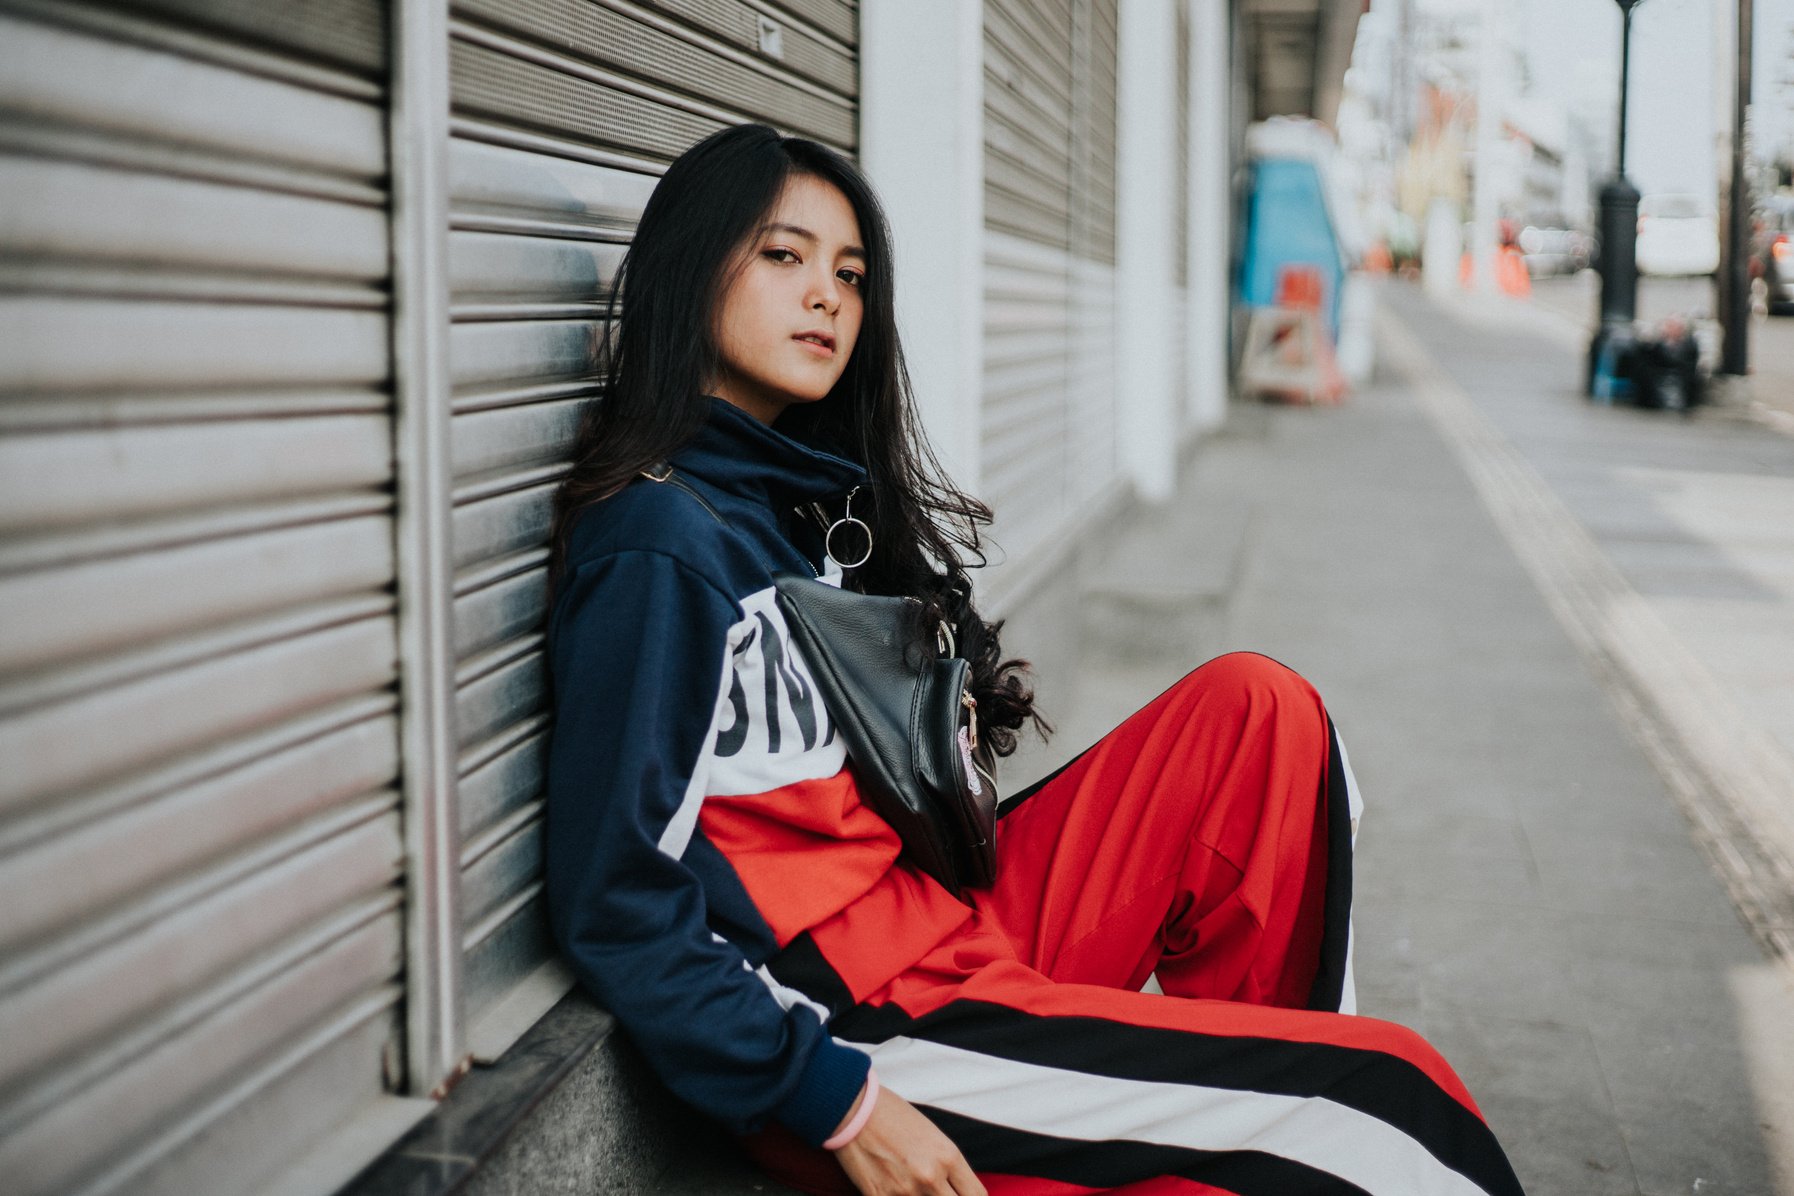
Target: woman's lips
{"type": "Point", "coordinates": [821, 350]}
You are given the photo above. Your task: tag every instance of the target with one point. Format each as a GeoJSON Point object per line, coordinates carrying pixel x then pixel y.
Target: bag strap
{"type": "Point", "coordinates": [946, 644]}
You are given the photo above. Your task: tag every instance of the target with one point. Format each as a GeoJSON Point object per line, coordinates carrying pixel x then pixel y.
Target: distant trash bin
{"type": "Point", "coordinates": [1610, 365]}
{"type": "Point", "coordinates": [1667, 369]}
{"type": "Point", "coordinates": [1658, 368]}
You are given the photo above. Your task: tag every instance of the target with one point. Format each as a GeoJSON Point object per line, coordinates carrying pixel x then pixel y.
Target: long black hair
{"type": "Point", "coordinates": [661, 351]}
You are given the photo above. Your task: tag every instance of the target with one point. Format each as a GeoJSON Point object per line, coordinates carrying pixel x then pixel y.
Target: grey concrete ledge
{"type": "Point", "coordinates": [472, 1124]}
{"type": "Point", "coordinates": [570, 1108]}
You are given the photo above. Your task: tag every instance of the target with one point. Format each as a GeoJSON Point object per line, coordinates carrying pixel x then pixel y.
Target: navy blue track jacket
{"type": "Point", "coordinates": [676, 689]}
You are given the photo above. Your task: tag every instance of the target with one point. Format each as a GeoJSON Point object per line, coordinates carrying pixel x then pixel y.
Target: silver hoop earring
{"type": "Point", "coordinates": [828, 538]}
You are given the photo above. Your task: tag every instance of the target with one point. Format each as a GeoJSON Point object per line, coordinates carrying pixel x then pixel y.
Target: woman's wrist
{"type": "Point", "coordinates": [856, 1121]}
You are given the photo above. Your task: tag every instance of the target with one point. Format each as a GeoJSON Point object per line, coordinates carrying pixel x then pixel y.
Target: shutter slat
{"type": "Point", "coordinates": [54, 1152]}
{"type": "Point", "coordinates": [512, 437]}
{"type": "Point", "coordinates": [505, 523]}
{"type": "Point", "coordinates": [82, 211]}
{"type": "Point", "coordinates": [837, 18]}
{"type": "Point", "coordinates": [503, 784]}
{"type": "Point", "coordinates": [156, 964]}
{"type": "Point", "coordinates": [325, 1090]}
{"type": "Point", "coordinates": [503, 696]}
{"type": "Point", "coordinates": [150, 841]}
{"type": "Point", "coordinates": [58, 344]}
{"type": "Point", "coordinates": [172, 99]}
{"type": "Point", "coordinates": [584, 107]}
{"type": "Point", "coordinates": [55, 747]}
{"type": "Point", "coordinates": [498, 871]}
{"type": "Point", "coordinates": [349, 33]}
{"type": "Point", "coordinates": [54, 479]}
{"type": "Point", "coordinates": [500, 612]}
{"type": "Point", "coordinates": [489, 179]}
{"type": "Point", "coordinates": [248, 575]}
{"type": "Point", "coordinates": [486, 267]}
{"type": "Point", "coordinates": [510, 351]}
{"type": "Point", "coordinates": [611, 40]}
{"type": "Point", "coordinates": [804, 53]}
{"type": "Point", "coordinates": [502, 955]}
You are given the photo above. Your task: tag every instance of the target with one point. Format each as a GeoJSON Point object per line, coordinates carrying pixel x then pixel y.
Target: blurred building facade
{"type": "Point", "coordinates": [296, 312]}
{"type": "Point", "coordinates": [1422, 74]}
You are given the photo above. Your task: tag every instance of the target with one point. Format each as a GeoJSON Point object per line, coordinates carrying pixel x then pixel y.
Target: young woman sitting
{"type": "Point", "coordinates": [718, 883]}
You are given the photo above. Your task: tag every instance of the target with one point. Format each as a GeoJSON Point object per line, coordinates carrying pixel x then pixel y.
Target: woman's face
{"type": "Point", "coordinates": [788, 320]}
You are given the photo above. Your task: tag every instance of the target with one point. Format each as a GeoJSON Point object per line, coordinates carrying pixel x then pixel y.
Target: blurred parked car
{"type": "Point", "coordinates": [1549, 251]}
{"type": "Point", "coordinates": [1774, 254]}
{"type": "Point", "coordinates": [1677, 234]}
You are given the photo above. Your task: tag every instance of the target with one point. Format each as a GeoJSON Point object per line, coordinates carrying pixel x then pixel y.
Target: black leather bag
{"type": "Point", "coordinates": [909, 725]}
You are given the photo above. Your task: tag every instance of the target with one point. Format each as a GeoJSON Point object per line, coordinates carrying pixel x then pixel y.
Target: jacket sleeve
{"type": "Point", "coordinates": [638, 646]}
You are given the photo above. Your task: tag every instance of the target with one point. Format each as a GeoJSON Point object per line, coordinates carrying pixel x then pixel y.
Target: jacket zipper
{"type": "Point", "coordinates": [667, 475]}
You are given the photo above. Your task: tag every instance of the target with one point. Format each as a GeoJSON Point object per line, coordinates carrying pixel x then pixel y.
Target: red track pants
{"type": "Point", "coordinates": [1206, 840]}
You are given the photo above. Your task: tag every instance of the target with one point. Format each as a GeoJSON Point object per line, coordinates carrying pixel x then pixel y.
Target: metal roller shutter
{"type": "Point", "coordinates": [1048, 414]}
{"type": "Point", "coordinates": [200, 848]}
{"type": "Point", "coordinates": [1028, 115]}
{"type": "Point", "coordinates": [1027, 365]}
{"type": "Point", "coordinates": [1095, 130]}
{"type": "Point", "coordinates": [1093, 416]}
{"type": "Point", "coordinates": [565, 113]}
{"type": "Point", "coordinates": [1028, 52]}
{"type": "Point", "coordinates": [1181, 179]}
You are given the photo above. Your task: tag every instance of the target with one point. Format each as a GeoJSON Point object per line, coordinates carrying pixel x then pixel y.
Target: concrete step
{"type": "Point", "coordinates": [570, 1110]}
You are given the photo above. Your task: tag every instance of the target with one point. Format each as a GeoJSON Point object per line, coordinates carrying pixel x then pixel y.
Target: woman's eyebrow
{"type": "Point", "coordinates": [806, 234]}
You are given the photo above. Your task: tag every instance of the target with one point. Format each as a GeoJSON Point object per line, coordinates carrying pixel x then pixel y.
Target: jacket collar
{"type": "Point", "coordinates": [738, 454]}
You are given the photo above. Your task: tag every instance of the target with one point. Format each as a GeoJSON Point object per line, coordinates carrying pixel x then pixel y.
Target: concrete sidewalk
{"type": "Point", "coordinates": [1666, 547]}
{"type": "Point", "coordinates": [1531, 893]}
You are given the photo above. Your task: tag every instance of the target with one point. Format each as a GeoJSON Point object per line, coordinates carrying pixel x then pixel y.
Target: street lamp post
{"type": "Point", "coordinates": [1734, 276]}
{"type": "Point", "coordinates": [1619, 243]}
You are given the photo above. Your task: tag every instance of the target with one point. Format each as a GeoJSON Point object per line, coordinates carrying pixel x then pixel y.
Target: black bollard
{"type": "Point", "coordinates": [1619, 252]}
{"type": "Point", "coordinates": [1609, 353]}
{"type": "Point", "coordinates": [1618, 264]}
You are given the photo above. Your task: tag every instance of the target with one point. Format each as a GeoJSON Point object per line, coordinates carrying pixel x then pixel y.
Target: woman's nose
{"type": "Point", "coordinates": [825, 293]}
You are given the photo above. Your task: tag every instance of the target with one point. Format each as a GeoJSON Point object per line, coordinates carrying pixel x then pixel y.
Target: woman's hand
{"type": "Point", "coordinates": [902, 1153]}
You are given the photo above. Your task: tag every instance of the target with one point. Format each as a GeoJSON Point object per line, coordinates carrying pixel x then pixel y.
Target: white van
{"type": "Point", "coordinates": [1677, 234]}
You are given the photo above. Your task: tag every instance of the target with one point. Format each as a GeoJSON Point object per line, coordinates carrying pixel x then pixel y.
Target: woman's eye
{"type": "Point", "coordinates": [781, 255]}
{"type": "Point", "coordinates": [852, 278]}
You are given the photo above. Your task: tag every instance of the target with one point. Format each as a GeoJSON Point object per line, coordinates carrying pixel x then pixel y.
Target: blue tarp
{"type": "Point", "coordinates": [1287, 224]}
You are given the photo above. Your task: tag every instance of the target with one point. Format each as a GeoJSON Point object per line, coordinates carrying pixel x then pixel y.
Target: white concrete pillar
{"type": "Point", "coordinates": [1211, 214]}
{"type": "Point", "coordinates": [1490, 99]}
{"type": "Point", "coordinates": [1145, 284]}
{"type": "Point", "coordinates": [922, 145]}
